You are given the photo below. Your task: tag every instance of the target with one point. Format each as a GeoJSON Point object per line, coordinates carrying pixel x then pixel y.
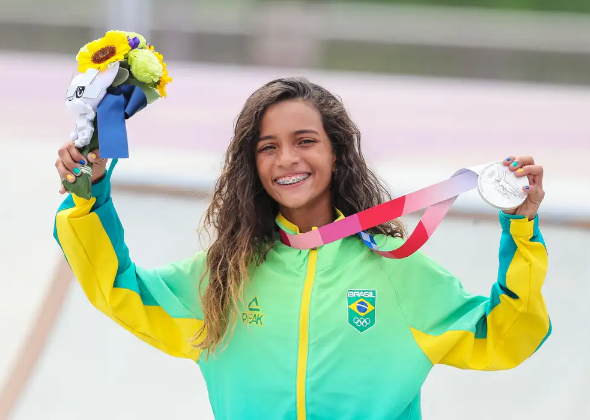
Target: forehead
{"type": "Point", "coordinates": [291, 115]}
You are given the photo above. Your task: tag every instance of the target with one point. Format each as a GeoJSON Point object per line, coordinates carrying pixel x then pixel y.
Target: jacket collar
{"type": "Point", "coordinates": [293, 229]}
{"type": "Point", "coordinates": [328, 255]}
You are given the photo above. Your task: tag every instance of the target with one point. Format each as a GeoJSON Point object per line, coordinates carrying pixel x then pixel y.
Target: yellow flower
{"type": "Point", "coordinates": [117, 32]}
{"type": "Point", "coordinates": [164, 80]}
{"type": "Point", "coordinates": [160, 57]}
{"type": "Point", "coordinates": [100, 53]}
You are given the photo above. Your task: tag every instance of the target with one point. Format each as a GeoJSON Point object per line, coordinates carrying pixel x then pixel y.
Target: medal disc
{"type": "Point", "coordinates": [500, 188]}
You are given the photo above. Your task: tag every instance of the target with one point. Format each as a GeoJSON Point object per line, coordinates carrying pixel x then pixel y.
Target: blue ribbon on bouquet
{"type": "Point", "coordinates": [119, 104]}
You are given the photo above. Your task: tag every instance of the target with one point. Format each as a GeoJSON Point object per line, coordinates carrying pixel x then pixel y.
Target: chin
{"type": "Point", "coordinates": [298, 196]}
{"type": "Point", "coordinates": [294, 203]}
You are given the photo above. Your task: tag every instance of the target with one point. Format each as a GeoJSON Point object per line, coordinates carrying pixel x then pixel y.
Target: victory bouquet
{"type": "Point", "coordinates": [119, 75]}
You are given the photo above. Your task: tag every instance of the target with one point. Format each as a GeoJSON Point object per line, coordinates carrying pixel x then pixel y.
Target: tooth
{"type": "Point", "coordinates": [290, 181]}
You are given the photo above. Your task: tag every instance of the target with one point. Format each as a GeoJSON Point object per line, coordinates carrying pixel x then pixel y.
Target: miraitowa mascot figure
{"type": "Point", "coordinates": [119, 75]}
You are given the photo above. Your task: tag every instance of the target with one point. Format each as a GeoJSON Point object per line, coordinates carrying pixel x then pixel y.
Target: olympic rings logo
{"type": "Point", "coordinates": [361, 322]}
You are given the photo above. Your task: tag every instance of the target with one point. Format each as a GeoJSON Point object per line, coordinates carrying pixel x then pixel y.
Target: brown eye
{"type": "Point", "coordinates": [266, 148]}
{"type": "Point", "coordinates": [307, 141]}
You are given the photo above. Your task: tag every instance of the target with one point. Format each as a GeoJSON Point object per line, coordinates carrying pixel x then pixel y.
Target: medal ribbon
{"type": "Point", "coordinates": [437, 198]}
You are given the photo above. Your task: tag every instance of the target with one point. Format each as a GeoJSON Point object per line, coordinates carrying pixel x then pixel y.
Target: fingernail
{"type": "Point", "coordinates": [76, 171]}
{"type": "Point", "coordinates": [69, 177]}
{"type": "Point", "coordinates": [82, 162]}
{"type": "Point", "coordinates": [527, 187]}
{"type": "Point", "coordinates": [507, 159]}
{"type": "Point", "coordinates": [520, 171]}
{"type": "Point", "coordinates": [515, 164]}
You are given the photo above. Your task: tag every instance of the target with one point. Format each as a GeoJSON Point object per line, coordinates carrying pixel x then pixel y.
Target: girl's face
{"type": "Point", "coordinates": [294, 156]}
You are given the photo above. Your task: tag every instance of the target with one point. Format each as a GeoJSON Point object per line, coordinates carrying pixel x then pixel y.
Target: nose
{"type": "Point", "coordinates": [288, 156]}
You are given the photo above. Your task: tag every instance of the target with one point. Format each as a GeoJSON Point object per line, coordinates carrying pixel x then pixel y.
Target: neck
{"type": "Point", "coordinates": [315, 215]}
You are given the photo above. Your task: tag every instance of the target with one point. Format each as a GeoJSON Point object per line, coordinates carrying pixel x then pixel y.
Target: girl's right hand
{"type": "Point", "coordinates": [70, 160]}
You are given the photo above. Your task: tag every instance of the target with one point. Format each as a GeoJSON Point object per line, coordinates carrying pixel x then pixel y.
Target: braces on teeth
{"type": "Point", "coordinates": [292, 180]}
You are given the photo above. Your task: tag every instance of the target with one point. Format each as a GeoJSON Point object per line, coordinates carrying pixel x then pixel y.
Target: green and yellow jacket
{"type": "Point", "coordinates": [337, 332]}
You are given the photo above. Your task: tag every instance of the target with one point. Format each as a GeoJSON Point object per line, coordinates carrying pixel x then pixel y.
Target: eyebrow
{"type": "Point", "coordinates": [298, 132]}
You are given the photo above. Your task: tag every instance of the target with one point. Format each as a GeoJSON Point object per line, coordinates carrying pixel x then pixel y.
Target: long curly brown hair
{"type": "Point", "coordinates": [242, 214]}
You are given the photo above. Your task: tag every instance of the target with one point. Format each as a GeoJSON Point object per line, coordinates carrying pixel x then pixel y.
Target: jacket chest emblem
{"type": "Point", "coordinates": [361, 308]}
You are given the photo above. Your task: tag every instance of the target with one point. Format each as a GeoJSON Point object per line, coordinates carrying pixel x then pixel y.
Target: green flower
{"type": "Point", "coordinates": [142, 41]}
{"type": "Point", "coordinates": [145, 66]}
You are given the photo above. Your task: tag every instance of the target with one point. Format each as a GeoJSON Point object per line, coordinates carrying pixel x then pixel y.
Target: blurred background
{"type": "Point", "coordinates": [434, 85]}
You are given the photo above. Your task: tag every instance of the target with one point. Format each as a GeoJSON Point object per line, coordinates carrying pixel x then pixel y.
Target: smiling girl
{"type": "Point", "coordinates": [337, 332]}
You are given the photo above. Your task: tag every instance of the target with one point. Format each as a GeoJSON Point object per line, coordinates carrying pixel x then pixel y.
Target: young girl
{"type": "Point", "coordinates": [337, 332]}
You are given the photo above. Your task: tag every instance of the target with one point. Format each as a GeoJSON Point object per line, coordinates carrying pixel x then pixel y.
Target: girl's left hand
{"type": "Point", "coordinates": [525, 166]}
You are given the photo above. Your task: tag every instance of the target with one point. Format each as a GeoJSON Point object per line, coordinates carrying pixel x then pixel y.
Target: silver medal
{"type": "Point", "coordinates": [500, 188]}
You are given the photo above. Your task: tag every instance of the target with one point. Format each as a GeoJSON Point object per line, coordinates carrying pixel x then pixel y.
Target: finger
{"type": "Point", "coordinates": [534, 193]}
{"type": "Point", "coordinates": [534, 170]}
{"type": "Point", "coordinates": [62, 190]}
{"type": "Point", "coordinates": [76, 155]}
{"type": "Point", "coordinates": [63, 172]}
{"type": "Point", "coordinates": [94, 157]}
{"type": "Point", "coordinates": [509, 160]}
{"type": "Point", "coordinates": [521, 161]}
{"type": "Point", "coordinates": [534, 174]}
{"type": "Point", "coordinates": [65, 155]}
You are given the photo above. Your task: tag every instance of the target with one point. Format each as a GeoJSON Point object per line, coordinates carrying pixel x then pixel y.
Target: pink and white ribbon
{"type": "Point", "coordinates": [437, 198]}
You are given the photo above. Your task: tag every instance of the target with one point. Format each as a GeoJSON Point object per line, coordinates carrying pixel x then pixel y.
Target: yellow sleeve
{"type": "Point", "coordinates": [159, 306]}
{"type": "Point", "coordinates": [494, 332]}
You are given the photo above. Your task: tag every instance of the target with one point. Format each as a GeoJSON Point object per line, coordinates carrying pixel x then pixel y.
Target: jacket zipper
{"type": "Point", "coordinates": [304, 333]}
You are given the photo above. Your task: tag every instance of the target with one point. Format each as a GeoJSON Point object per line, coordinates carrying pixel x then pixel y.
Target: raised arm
{"type": "Point", "coordinates": [160, 306]}
{"type": "Point", "coordinates": [498, 332]}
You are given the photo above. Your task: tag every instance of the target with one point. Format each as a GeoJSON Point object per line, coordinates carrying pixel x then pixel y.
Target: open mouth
{"type": "Point", "coordinates": [292, 179]}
